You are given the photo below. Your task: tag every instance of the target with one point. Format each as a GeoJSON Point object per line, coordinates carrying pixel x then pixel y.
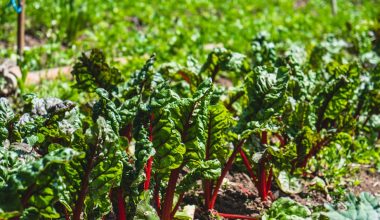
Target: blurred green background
{"type": "Point", "coordinates": [58, 31]}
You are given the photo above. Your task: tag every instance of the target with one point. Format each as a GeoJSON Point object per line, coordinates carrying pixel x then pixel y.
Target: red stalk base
{"type": "Point", "coordinates": [121, 205]}
{"type": "Point", "coordinates": [156, 195]}
{"type": "Point", "coordinates": [235, 216]}
{"type": "Point", "coordinates": [248, 166]}
{"type": "Point", "coordinates": [223, 174]}
{"type": "Point", "coordinates": [148, 167]}
{"type": "Point", "coordinates": [166, 211]}
{"type": "Point", "coordinates": [148, 171]}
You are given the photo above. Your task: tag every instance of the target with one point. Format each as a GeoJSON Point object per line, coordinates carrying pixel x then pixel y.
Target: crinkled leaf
{"type": "Point", "coordinates": [217, 125]}
{"type": "Point", "coordinates": [207, 170]}
{"type": "Point", "coordinates": [6, 114]}
{"type": "Point", "coordinates": [288, 183]}
{"type": "Point", "coordinates": [266, 89]}
{"type": "Point", "coordinates": [287, 209]}
{"type": "Point", "coordinates": [364, 207]}
{"type": "Point", "coordinates": [144, 210]}
{"type": "Point", "coordinates": [31, 182]}
{"type": "Point", "coordinates": [92, 71]}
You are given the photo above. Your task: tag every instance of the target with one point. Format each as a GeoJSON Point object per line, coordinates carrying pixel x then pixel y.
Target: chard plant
{"type": "Point", "coordinates": [139, 143]}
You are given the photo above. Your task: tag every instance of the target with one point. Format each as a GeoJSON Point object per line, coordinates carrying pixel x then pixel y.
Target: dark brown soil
{"type": "Point", "coordinates": [310, 198]}
{"type": "Point", "coordinates": [369, 182]}
{"type": "Point", "coordinates": [238, 195]}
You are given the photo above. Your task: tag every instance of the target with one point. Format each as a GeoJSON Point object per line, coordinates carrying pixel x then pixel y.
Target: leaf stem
{"type": "Point", "coordinates": [169, 195]}
{"type": "Point", "coordinates": [156, 195]}
{"type": "Point", "coordinates": [226, 168]}
{"type": "Point", "coordinates": [248, 166]}
{"type": "Point", "coordinates": [148, 167]}
{"type": "Point", "coordinates": [262, 183]}
{"type": "Point", "coordinates": [175, 209]}
{"type": "Point", "coordinates": [121, 204]}
{"type": "Point", "coordinates": [84, 186]}
{"type": "Point", "coordinates": [236, 216]}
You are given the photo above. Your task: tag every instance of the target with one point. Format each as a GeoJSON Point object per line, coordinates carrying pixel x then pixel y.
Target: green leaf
{"type": "Point", "coordinates": [263, 51]}
{"type": "Point", "coordinates": [30, 183]}
{"type": "Point", "coordinates": [335, 97]}
{"type": "Point", "coordinates": [364, 207]}
{"type": "Point", "coordinates": [266, 89]}
{"type": "Point", "coordinates": [287, 183]}
{"type": "Point", "coordinates": [305, 140]}
{"type": "Point", "coordinates": [189, 116]}
{"type": "Point", "coordinates": [92, 71]}
{"type": "Point", "coordinates": [91, 177]}
{"type": "Point", "coordinates": [221, 59]}
{"type": "Point", "coordinates": [218, 123]}
{"type": "Point", "coordinates": [207, 170]}
{"type": "Point", "coordinates": [144, 210]}
{"type": "Point", "coordinates": [287, 209]}
{"type": "Point", "coordinates": [6, 114]}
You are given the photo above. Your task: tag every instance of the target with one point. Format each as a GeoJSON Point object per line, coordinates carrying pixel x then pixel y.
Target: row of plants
{"type": "Point", "coordinates": [137, 144]}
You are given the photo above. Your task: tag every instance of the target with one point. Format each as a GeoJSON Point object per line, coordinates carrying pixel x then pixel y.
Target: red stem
{"type": "Point", "coordinates": [169, 195]}
{"type": "Point", "coordinates": [313, 151]}
{"type": "Point", "coordinates": [262, 181]}
{"type": "Point", "coordinates": [156, 195]}
{"type": "Point", "coordinates": [269, 181]}
{"type": "Point", "coordinates": [67, 217]}
{"type": "Point", "coordinates": [235, 216]}
{"type": "Point", "coordinates": [148, 171]}
{"type": "Point", "coordinates": [207, 192]}
{"type": "Point", "coordinates": [121, 204]}
{"type": "Point", "coordinates": [175, 209]}
{"type": "Point", "coordinates": [226, 168]}
{"type": "Point", "coordinates": [184, 76]}
{"type": "Point", "coordinates": [127, 132]}
{"type": "Point", "coordinates": [264, 137]}
{"type": "Point", "coordinates": [248, 166]}
{"type": "Point", "coordinates": [79, 204]}
{"type": "Point", "coordinates": [26, 196]}
{"type": "Point", "coordinates": [148, 167]}
{"type": "Point", "coordinates": [281, 139]}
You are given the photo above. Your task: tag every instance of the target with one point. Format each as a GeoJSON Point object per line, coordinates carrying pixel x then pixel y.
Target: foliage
{"type": "Point", "coordinates": [365, 206]}
{"type": "Point", "coordinates": [285, 208]}
{"type": "Point", "coordinates": [130, 143]}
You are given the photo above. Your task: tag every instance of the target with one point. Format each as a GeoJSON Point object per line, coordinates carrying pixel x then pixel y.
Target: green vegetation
{"type": "Point", "coordinates": [283, 91]}
{"type": "Point", "coordinates": [173, 30]}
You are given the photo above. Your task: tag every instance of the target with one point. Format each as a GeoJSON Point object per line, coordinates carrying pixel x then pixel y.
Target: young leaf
{"type": "Point", "coordinates": [288, 184]}
{"type": "Point", "coordinates": [266, 90]}
{"type": "Point", "coordinates": [287, 209]}
{"type": "Point", "coordinates": [93, 72]}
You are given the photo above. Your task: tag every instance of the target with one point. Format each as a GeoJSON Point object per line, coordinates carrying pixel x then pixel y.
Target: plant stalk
{"type": "Point", "coordinates": [84, 186]}
{"type": "Point", "coordinates": [121, 204]}
{"type": "Point", "coordinates": [148, 167]}
{"type": "Point", "coordinates": [156, 195]}
{"type": "Point", "coordinates": [263, 182]}
{"type": "Point", "coordinates": [175, 209]}
{"type": "Point", "coordinates": [248, 166]}
{"type": "Point", "coordinates": [226, 168]}
{"type": "Point", "coordinates": [169, 195]}
{"type": "Point", "coordinates": [236, 216]}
